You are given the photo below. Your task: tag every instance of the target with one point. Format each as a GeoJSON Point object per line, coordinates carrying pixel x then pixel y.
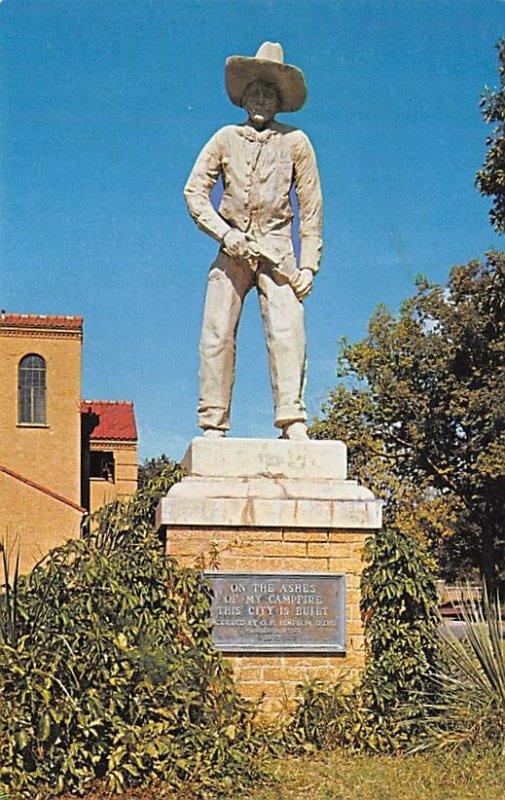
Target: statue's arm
{"type": "Point", "coordinates": [200, 183]}
{"type": "Point", "coordinates": [310, 203]}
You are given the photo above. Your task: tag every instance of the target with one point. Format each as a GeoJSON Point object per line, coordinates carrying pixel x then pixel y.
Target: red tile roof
{"type": "Point", "coordinates": [39, 321]}
{"type": "Point", "coordinates": [116, 419]}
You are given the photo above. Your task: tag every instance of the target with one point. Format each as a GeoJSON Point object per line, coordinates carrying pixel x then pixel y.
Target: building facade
{"type": "Point", "coordinates": [46, 487]}
{"type": "Point", "coordinates": [109, 452]}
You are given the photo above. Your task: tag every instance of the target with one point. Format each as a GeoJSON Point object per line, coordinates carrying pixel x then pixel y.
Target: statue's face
{"type": "Point", "coordinates": [261, 101]}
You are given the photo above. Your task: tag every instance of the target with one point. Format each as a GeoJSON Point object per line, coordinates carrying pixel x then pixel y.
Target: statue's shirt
{"type": "Point", "coordinates": [258, 169]}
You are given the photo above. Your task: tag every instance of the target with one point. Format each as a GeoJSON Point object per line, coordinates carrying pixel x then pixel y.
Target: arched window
{"type": "Point", "coordinates": [32, 390]}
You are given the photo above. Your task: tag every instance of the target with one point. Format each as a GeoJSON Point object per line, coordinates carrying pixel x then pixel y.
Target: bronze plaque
{"type": "Point", "coordinates": [285, 612]}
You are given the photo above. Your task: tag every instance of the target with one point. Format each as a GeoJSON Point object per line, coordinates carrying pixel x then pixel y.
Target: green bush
{"type": "Point", "coordinates": [384, 712]}
{"type": "Point", "coordinates": [107, 670]}
{"type": "Point", "coordinates": [399, 605]}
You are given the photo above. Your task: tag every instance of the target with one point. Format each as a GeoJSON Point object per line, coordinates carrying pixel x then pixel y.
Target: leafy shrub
{"type": "Point", "coordinates": [383, 712]}
{"type": "Point", "coordinates": [399, 604]}
{"type": "Point", "coordinates": [327, 717]}
{"type": "Point", "coordinates": [107, 670]}
{"type": "Point", "coordinates": [470, 707]}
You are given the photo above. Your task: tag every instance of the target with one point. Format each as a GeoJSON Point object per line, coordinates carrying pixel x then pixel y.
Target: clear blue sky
{"type": "Point", "coordinates": [104, 107]}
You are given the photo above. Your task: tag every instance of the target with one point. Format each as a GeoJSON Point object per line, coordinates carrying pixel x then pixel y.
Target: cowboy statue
{"type": "Point", "coordinates": [259, 161]}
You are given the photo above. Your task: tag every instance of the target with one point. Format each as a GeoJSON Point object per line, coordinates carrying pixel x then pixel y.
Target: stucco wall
{"type": "Point", "coordinates": [49, 455]}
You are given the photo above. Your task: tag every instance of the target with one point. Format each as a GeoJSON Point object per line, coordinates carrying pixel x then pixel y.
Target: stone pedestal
{"type": "Point", "coordinates": [254, 507]}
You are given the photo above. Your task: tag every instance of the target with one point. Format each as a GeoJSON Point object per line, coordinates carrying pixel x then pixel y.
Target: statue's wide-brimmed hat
{"type": "Point", "coordinates": [267, 65]}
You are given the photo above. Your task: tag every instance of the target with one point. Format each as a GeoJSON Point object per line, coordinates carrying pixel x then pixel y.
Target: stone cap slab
{"type": "Point", "coordinates": [193, 487]}
{"type": "Point", "coordinates": [268, 458]}
{"type": "Point", "coordinates": [199, 502]}
{"type": "Point", "coordinates": [364, 515]}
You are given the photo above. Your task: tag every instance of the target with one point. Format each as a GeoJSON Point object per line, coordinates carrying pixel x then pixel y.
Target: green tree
{"type": "Point", "coordinates": [421, 406]}
{"type": "Point", "coordinates": [152, 468]}
{"type": "Point", "coordinates": [491, 178]}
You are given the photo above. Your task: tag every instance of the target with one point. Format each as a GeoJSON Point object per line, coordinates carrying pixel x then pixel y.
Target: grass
{"type": "Point", "coordinates": [470, 776]}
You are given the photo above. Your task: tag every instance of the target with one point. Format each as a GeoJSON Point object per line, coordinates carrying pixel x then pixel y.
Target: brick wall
{"type": "Point", "coordinates": [248, 549]}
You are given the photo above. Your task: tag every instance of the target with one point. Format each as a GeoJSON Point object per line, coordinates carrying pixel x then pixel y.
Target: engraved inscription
{"type": "Point", "coordinates": [285, 611]}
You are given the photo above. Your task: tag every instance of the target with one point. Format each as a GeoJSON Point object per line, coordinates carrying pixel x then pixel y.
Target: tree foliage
{"type": "Point", "coordinates": [491, 178]}
{"type": "Point", "coordinates": [152, 468]}
{"type": "Point", "coordinates": [420, 405]}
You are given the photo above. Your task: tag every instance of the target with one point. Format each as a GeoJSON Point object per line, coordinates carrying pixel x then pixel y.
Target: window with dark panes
{"type": "Point", "coordinates": [101, 465]}
{"type": "Point", "coordinates": [32, 390]}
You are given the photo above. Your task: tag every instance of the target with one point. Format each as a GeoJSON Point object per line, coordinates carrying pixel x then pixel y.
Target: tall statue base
{"type": "Point", "coordinates": [280, 532]}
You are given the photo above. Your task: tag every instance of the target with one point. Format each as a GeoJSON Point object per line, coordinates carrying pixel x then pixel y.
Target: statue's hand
{"type": "Point", "coordinates": [236, 244]}
{"type": "Point", "coordinates": [302, 283]}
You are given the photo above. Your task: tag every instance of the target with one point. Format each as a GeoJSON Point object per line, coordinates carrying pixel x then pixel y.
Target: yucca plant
{"type": "Point", "coordinates": [14, 622]}
{"type": "Point", "coordinates": [9, 610]}
{"type": "Point", "coordinates": [470, 709]}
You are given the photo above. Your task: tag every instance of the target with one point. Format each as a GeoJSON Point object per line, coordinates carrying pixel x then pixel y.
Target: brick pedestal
{"type": "Point", "coordinates": [270, 506]}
